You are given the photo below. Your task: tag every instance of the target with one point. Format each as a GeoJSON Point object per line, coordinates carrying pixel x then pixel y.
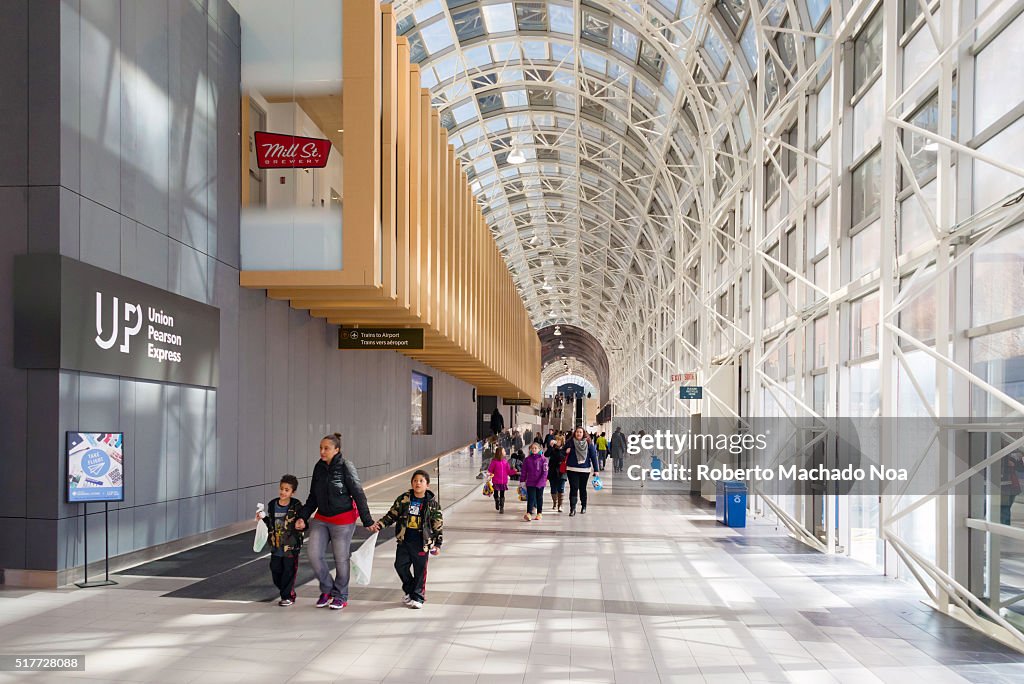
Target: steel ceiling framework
{"type": "Point", "coordinates": [691, 186]}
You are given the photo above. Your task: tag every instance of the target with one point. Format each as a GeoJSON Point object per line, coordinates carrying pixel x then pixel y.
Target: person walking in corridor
{"type": "Point", "coordinates": [500, 470]}
{"type": "Point", "coordinates": [336, 500]}
{"type": "Point", "coordinates": [534, 477]}
{"type": "Point", "coordinates": [556, 472]}
{"type": "Point", "coordinates": [618, 449]}
{"type": "Point", "coordinates": [580, 462]}
{"type": "Point", "coordinates": [602, 451]}
{"type": "Point", "coordinates": [497, 421]}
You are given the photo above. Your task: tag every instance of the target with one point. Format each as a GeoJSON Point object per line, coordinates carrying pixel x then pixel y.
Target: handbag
{"type": "Point", "coordinates": [488, 488]}
{"type": "Point", "coordinates": [598, 485]}
{"type": "Point", "coordinates": [522, 492]}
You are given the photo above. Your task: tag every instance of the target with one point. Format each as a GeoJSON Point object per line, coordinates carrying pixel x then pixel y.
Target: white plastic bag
{"type": "Point", "coordinates": [261, 530]}
{"type": "Point", "coordinates": [362, 561]}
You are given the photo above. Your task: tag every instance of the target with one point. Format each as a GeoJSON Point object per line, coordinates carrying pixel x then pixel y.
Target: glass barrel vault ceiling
{"type": "Point", "coordinates": [624, 112]}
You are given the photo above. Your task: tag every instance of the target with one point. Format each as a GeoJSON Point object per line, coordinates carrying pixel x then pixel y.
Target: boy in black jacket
{"type": "Point", "coordinates": [418, 534]}
{"type": "Point", "coordinates": [285, 540]}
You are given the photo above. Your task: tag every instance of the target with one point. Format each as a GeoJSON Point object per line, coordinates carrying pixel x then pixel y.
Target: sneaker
{"type": "Point", "coordinates": [285, 602]}
{"type": "Point", "coordinates": [413, 603]}
{"type": "Point", "coordinates": [527, 518]}
{"type": "Point", "coordinates": [406, 599]}
{"type": "Point", "coordinates": [323, 601]}
{"type": "Point", "coordinates": [538, 516]}
{"type": "Point", "coordinates": [338, 604]}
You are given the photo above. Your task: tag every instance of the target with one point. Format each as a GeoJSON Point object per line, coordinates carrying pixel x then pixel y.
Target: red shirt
{"type": "Point", "coordinates": [346, 518]}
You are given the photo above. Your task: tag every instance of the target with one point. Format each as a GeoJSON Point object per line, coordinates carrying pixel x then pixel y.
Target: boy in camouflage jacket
{"type": "Point", "coordinates": [419, 520]}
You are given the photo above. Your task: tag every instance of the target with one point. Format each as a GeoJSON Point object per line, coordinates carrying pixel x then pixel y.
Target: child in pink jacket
{"type": "Point", "coordinates": [500, 471]}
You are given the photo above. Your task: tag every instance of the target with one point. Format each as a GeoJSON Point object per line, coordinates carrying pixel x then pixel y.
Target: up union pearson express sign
{"type": "Point", "coordinates": [279, 151]}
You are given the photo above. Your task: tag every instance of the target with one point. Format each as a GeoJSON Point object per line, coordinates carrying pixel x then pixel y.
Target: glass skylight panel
{"type": "Point", "coordinates": [488, 103]}
{"type": "Point", "coordinates": [816, 9]}
{"type": "Point", "coordinates": [447, 120]}
{"type": "Point", "coordinates": [671, 81]}
{"type": "Point", "coordinates": [748, 42]}
{"type": "Point", "coordinates": [641, 89]}
{"type": "Point", "coordinates": [515, 98]}
{"type": "Point", "coordinates": [565, 78]}
{"type": "Point", "coordinates": [499, 18]}
{"type": "Point", "coordinates": [535, 49]}
{"type": "Point", "coordinates": [417, 52]}
{"type": "Point", "coordinates": [670, 6]}
{"type": "Point", "coordinates": [650, 59]}
{"type": "Point", "coordinates": [477, 56]}
{"type": "Point", "coordinates": [595, 26]}
{"type": "Point", "coordinates": [532, 16]}
{"type": "Point", "coordinates": [496, 124]}
{"type": "Point", "coordinates": [428, 79]}
{"type": "Point", "coordinates": [594, 61]}
{"type": "Point", "coordinates": [436, 36]}
{"type": "Point", "coordinates": [505, 51]}
{"type": "Point", "coordinates": [425, 10]}
{"type": "Point", "coordinates": [464, 112]}
{"type": "Point", "coordinates": [471, 134]}
{"type": "Point", "coordinates": [715, 49]}
{"type": "Point", "coordinates": [560, 18]}
{"type": "Point", "coordinates": [733, 12]}
{"type": "Point", "coordinates": [625, 42]}
{"type": "Point", "coordinates": [445, 68]}
{"type": "Point", "coordinates": [468, 24]}
{"type": "Point", "coordinates": [561, 52]}
{"type": "Point", "coordinates": [405, 24]}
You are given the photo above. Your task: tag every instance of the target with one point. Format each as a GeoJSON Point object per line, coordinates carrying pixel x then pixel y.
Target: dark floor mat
{"type": "Point", "coordinates": [250, 580]}
{"type": "Point", "coordinates": [203, 561]}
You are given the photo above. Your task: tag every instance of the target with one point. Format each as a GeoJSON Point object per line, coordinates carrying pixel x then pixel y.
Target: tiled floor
{"type": "Point", "coordinates": [637, 590]}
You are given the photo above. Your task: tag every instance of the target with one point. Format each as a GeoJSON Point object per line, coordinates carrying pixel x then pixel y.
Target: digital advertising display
{"type": "Point", "coordinates": [95, 466]}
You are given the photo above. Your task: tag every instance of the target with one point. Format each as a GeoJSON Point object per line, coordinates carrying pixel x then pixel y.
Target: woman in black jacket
{"type": "Point", "coordinates": [556, 477]}
{"type": "Point", "coordinates": [336, 496]}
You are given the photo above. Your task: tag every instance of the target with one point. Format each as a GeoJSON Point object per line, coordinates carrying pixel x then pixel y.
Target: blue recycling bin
{"type": "Point", "coordinates": [735, 504]}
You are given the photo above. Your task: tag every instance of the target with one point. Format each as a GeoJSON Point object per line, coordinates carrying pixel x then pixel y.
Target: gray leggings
{"type": "Point", "coordinates": [341, 543]}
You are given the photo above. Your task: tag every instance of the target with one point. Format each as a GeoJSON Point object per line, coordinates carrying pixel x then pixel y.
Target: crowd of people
{"type": "Point", "coordinates": [550, 462]}
{"type": "Point", "coordinates": [336, 502]}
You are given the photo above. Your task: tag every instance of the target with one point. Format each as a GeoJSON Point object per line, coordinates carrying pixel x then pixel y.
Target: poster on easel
{"type": "Point", "coordinates": [95, 467]}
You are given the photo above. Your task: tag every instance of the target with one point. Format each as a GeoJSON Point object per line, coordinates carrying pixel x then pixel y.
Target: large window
{"type": "Point", "coordinates": [867, 52]}
{"type": "Point", "coordinates": [867, 188]}
{"type": "Point", "coordinates": [422, 404]}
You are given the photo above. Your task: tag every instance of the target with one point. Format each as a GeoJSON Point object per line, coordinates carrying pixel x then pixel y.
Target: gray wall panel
{"type": "Point", "coordinates": [145, 255]}
{"type": "Point", "coordinates": [170, 465]}
{"type": "Point", "coordinates": [14, 117]}
{"type": "Point", "coordinates": [100, 101]}
{"type": "Point", "coordinates": [189, 146]}
{"type": "Point", "coordinates": [224, 472]}
{"type": "Point", "coordinates": [70, 95]}
{"type": "Point", "coordinates": [128, 395]}
{"type": "Point", "coordinates": [44, 56]}
{"type": "Point", "coordinates": [37, 553]}
{"type": "Point", "coordinates": [44, 218]}
{"type": "Point", "coordinates": [147, 445]}
{"type": "Point", "coordinates": [70, 223]}
{"type": "Point", "coordinates": [13, 542]}
{"type": "Point", "coordinates": [100, 235]}
{"type": "Point", "coordinates": [252, 388]}
{"type": "Point", "coordinates": [13, 398]}
{"type": "Point", "coordinates": [145, 113]}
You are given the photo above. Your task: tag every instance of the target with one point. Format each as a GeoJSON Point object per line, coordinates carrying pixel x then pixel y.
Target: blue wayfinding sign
{"type": "Point", "coordinates": [691, 392]}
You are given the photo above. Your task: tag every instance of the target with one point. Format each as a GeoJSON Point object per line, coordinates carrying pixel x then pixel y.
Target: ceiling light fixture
{"type": "Point", "coordinates": [516, 156]}
{"type": "Point", "coordinates": [561, 345]}
{"type": "Point", "coordinates": [558, 331]}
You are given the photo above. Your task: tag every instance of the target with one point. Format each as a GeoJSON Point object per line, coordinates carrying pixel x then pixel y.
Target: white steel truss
{"type": "Point", "coordinates": [816, 206]}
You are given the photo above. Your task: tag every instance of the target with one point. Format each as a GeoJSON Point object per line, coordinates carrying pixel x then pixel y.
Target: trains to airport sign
{"type": "Point", "coordinates": [73, 316]}
{"type": "Point", "coordinates": [380, 338]}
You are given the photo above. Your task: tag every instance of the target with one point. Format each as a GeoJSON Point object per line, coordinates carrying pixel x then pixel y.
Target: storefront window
{"type": "Point", "coordinates": [422, 403]}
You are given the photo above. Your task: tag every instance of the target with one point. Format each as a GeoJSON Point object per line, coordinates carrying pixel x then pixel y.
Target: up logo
{"type": "Point", "coordinates": [130, 321]}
